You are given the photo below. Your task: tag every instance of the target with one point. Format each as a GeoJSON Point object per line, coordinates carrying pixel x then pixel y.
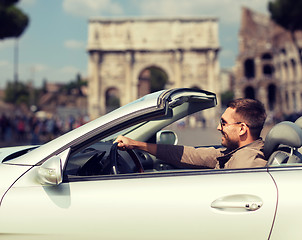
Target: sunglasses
{"type": "Point", "coordinates": [223, 123]}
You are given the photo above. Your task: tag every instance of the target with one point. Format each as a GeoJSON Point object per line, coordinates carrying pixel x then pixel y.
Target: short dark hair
{"type": "Point", "coordinates": [252, 113]}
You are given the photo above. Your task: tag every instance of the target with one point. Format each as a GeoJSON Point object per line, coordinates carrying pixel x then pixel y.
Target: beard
{"type": "Point", "coordinates": [228, 142]}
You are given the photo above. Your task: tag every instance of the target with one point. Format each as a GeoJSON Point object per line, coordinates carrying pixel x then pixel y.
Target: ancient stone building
{"type": "Point", "coordinates": [122, 52]}
{"type": "Point", "coordinates": [268, 66]}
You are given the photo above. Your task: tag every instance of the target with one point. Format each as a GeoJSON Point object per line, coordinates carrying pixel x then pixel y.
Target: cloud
{"type": "Point", "coordinates": [89, 8]}
{"type": "Point", "coordinates": [4, 63]}
{"type": "Point", "coordinates": [228, 11]}
{"type": "Point", "coordinates": [25, 3]}
{"type": "Point", "coordinates": [7, 43]}
{"type": "Point", "coordinates": [227, 54]}
{"type": "Point", "coordinates": [74, 44]}
{"type": "Point", "coordinates": [39, 67]}
{"type": "Point", "coordinates": [69, 69]}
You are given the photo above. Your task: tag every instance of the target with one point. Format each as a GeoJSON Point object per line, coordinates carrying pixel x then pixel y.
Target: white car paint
{"type": "Point", "coordinates": [289, 212]}
{"type": "Point", "coordinates": [145, 207]}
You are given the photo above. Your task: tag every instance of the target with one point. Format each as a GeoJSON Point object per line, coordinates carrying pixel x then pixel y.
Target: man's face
{"type": "Point", "coordinates": [229, 127]}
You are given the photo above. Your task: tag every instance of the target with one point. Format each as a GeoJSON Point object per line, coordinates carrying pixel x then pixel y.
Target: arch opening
{"type": "Point", "coordinates": [249, 92]}
{"type": "Point", "coordinates": [271, 92]}
{"type": "Point", "coordinates": [266, 56]}
{"type": "Point", "coordinates": [151, 79]}
{"type": "Point", "coordinates": [268, 70]}
{"type": "Point", "coordinates": [112, 99]}
{"type": "Point", "coordinates": [249, 68]}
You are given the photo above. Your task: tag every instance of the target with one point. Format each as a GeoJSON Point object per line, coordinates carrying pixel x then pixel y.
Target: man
{"type": "Point", "coordinates": [240, 126]}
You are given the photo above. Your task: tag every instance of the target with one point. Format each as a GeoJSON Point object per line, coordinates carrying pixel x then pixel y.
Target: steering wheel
{"type": "Point", "coordinates": [116, 161]}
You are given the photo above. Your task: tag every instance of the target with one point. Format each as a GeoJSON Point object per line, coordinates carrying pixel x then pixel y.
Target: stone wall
{"type": "Point", "coordinates": [120, 50]}
{"type": "Point", "coordinates": [268, 65]}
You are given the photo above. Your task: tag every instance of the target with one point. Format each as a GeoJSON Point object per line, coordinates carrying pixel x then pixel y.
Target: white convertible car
{"type": "Point", "coordinates": [79, 186]}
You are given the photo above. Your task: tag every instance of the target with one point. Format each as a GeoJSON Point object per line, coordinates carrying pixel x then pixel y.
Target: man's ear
{"type": "Point", "coordinates": [243, 129]}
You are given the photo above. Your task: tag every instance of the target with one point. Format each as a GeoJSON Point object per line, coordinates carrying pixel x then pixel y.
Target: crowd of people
{"type": "Point", "coordinates": [20, 130]}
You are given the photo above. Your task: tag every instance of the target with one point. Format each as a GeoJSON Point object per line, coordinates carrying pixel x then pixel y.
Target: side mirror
{"type": "Point", "coordinates": [50, 172]}
{"type": "Point", "coordinates": [166, 137]}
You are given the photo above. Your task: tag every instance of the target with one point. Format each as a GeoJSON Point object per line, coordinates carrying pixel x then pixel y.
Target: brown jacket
{"type": "Point", "coordinates": [249, 156]}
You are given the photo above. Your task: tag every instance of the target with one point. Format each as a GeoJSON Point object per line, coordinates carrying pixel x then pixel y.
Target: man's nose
{"type": "Point", "coordinates": [219, 128]}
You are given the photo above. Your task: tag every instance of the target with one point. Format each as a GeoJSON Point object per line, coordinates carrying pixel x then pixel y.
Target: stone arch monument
{"type": "Point", "coordinates": [120, 50]}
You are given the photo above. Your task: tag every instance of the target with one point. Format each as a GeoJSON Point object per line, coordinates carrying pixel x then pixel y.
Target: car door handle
{"type": "Point", "coordinates": [238, 202]}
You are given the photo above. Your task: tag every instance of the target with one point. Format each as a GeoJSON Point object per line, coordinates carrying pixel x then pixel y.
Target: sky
{"type": "Point", "coordinates": [53, 47]}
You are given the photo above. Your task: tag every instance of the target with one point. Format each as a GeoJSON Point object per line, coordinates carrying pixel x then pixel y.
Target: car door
{"type": "Point", "coordinates": [288, 179]}
{"type": "Point", "coordinates": [192, 204]}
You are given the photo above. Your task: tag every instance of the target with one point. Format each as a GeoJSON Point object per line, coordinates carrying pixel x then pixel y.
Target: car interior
{"type": "Point", "coordinates": [283, 144]}
{"type": "Point", "coordinates": [100, 157]}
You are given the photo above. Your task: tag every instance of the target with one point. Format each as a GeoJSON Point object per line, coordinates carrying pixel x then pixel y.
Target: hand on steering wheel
{"type": "Point", "coordinates": [114, 158]}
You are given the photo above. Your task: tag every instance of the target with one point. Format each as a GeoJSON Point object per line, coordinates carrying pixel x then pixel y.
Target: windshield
{"type": "Point", "coordinates": [123, 132]}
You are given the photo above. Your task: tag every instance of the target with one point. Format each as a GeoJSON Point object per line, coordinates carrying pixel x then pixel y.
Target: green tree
{"type": "Point", "coordinates": [13, 21]}
{"type": "Point", "coordinates": [74, 85]}
{"type": "Point", "coordinates": [17, 93]}
{"type": "Point", "coordinates": [158, 79]}
{"type": "Point", "coordinates": [112, 102]}
{"type": "Point", "coordinates": [288, 14]}
{"type": "Point", "coordinates": [226, 97]}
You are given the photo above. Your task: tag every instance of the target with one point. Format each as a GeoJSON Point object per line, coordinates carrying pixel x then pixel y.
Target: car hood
{"type": "Point", "coordinates": [8, 153]}
{"type": "Point", "coordinates": [145, 108]}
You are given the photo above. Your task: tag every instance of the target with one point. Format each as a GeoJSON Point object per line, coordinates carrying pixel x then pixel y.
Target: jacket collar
{"type": "Point", "coordinates": [227, 154]}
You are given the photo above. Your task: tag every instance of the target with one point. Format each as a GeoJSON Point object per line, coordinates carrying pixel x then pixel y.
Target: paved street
{"type": "Point", "coordinates": [197, 136]}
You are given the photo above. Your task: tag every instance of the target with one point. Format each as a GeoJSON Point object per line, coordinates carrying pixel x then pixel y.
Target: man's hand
{"type": "Point", "coordinates": [124, 143]}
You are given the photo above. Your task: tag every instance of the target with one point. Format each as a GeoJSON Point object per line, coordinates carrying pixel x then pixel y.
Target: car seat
{"type": "Point", "coordinates": [281, 144]}
{"type": "Point", "coordinates": [299, 122]}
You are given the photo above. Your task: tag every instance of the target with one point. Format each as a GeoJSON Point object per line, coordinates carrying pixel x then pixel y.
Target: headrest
{"type": "Point", "coordinates": [286, 133]}
{"type": "Point", "coordinates": [299, 122]}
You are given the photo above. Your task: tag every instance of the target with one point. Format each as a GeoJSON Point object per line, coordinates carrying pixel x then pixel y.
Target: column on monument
{"type": "Point", "coordinates": [295, 100]}
{"type": "Point", "coordinates": [262, 95]}
{"type": "Point", "coordinates": [290, 98]}
{"type": "Point", "coordinates": [177, 70]}
{"type": "Point", "coordinates": [286, 73]}
{"type": "Point", "coordinates": [258, 68]}
{"type": "Point", "coordinates": [126, 95]}
{"type": "Point", "coordinates": [94, 85]}
{"type": "Point", "coordinates": [283, 99]}
{"type": "Point", "coordinates": [212, 84]}
{"type": "Point", "coordinates": [101, 88]}
{"type": "Point", "coordinates": [280, 70]}
{"type": "Point", "coordinates": [298, 99]}
{"type": "Point", "coordinates": [211, 56]}
{"type": "Point", "coordinates": [291, 71]}
{"type": "Point", "coordinates": [135, 72]}
{"type": "Point", "coordinates": [298, 68]}
{"type": "Point", "coordinates": [216, 68]}
{"type": "Point", "coordinates": [278, 104]}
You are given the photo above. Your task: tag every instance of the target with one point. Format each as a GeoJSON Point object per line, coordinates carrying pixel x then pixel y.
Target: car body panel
{"type": "Point", "coordinates": [170, 205]}
{"type": "Point", "coordinates": [9, 175]}
{"type": "Point", "coordinates": [288, 181]}
{"type": "Point", "coordinates": [11, 152]}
